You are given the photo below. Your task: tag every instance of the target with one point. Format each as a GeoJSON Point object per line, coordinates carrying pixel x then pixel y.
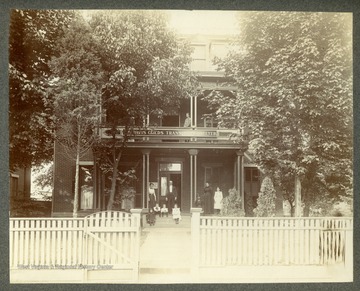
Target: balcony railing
{"type": "Point", "coordinates": [174, 134]}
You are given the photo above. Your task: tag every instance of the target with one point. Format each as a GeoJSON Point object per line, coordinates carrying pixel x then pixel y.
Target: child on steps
{"type": "Point", "coordinates": [150, 217]}
{"type": "Point", "coordinates": [164, 211]}
{"type": "Point", "coordinates": [176, 214]}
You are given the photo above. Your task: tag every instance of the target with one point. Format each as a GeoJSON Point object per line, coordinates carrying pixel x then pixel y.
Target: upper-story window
{"type": "Point", "coordinates": [203, 55]}
{"type": "Point", "coordinates": [217, 50]}
{"type": "Point", "coordinates": [199, 57]}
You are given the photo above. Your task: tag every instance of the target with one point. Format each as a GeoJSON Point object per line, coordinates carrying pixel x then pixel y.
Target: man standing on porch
{"type": "Point", "coordinates": [171, 196]}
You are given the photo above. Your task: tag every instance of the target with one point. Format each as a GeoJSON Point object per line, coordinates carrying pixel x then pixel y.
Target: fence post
{"type": "Point", "coordinates": [136, 215]}
{"type": "Point", "coordinates": [349, 249]}
{"type": "Point", "coordinates": [195, 241]}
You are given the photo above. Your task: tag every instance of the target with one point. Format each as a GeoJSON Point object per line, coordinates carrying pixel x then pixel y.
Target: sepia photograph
{"type": "Point", "coordinates": [180, 146]}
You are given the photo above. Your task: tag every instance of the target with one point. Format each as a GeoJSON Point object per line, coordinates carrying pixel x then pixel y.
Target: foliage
{"type": "Point", "coordinates": [344, 207]}
{"type": "Point", "coordinates": [29, 208]}
{"type": "Point", "coordinates": [124, 197]}
{"type": "Point", "coordinates": [232, 204]}
{"type": "Point", "coordinates": [147, 69]}
{"type": "Point", "coordinates": [294, 77]}
{"type": "Point", "coordinates": [33, 34]}
{"type": "Point", "coordinates": [266, 200]}
{"type": "Point", "coordinates": [148, 66]}
{"type": "Point", "coordinates": [77, 79]}
{"type": "Point", "coordinates": [44, 175]}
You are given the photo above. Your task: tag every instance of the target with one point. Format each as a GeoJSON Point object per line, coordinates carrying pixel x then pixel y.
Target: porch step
{"type": "Point", "coordinates": [168, 222]}
{"type": "Point", "coordinates": [165, 252]}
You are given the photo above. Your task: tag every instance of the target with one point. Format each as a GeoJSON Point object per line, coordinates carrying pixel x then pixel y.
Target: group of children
{"type": "Point", "coordinates": [161, 212]}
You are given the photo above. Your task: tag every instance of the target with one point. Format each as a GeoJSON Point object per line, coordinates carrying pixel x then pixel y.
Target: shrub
{"type": "Point", "coordinates": [232, 205]}
{"type": "Point", "coordinates": [266, 200]}
{"type": "Point", "coordinates": [21, 207]}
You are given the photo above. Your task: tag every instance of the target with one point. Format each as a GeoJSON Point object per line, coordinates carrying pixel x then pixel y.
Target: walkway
{"type": "Point", "coordinates": [165, 252]}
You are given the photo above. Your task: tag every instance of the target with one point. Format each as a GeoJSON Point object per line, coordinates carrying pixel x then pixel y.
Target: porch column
{"type": "Point", "coordinates": [145, 179]}
{"type": "Point", "coordinates": [192, 110]}
{"type": "Point", "coordinates": [195, 115]}
{"type": "Point", "coordinates": [240, 176]}
{"type": "Point", "coordinates": [193, 174]}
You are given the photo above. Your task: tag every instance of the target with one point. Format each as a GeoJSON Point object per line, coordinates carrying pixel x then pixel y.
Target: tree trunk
{"type": "Point", "coordinates": [297, 196]}
{"type": "Point", "coordinates": [116, 160]}
{"type": "Point", "coordinates": [76, 193]}
{"type": "Point", "coordinates": [306, 202]}
{"type": "Point", "coordinates": [292, 210]}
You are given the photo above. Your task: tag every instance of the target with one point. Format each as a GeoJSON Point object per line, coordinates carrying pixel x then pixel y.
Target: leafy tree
{"type": "Point", "coordinates": [76, 92]}
{"type": "Point", "coordinates": [232, 204]}
{"type": "Point", "coordinates": [266, 201]}
{"type": "Point", "coordinates": [294, 77]}
{"type": "Point", "coordinates": [147, 69]}
{"type": "Point", "coordinates": [33, 34]}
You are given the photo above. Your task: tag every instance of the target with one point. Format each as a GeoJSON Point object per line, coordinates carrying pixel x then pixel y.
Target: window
{"type": "Point", "coordinates": [251, 174]}
{"type": "Point", "coordinates": [213, 175]}
{"type": "Point", "coordinates": [198, 58]}
{"type": "Point", "coordinates": [218, 50]}
{"type": "Point", "coordinates": [14, 185]}
{"type": "Point", "coordinates": [208, 174]}
{"type": "Point", "coordinates": [172, 167]}
{"type": "Point", "coordinates": [86, 187]}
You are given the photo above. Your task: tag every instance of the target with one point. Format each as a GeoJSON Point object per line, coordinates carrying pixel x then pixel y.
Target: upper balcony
{"type": "Point", "coordinates": [151, 136]}
{"type": "Point", "coordinates": [193, 123]}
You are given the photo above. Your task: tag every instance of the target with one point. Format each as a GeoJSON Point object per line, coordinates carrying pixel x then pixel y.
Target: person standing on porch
{"type": "Point", "coordinates": [218, 197]}
{"type": "Point", "coordinates": [152, 196]}
{"type": "Point", "coordinates": [171, 196]}
{"type": "Point", "coordinates": [187, 122]}
{"type": "Point", "coordinates": [207, 199]}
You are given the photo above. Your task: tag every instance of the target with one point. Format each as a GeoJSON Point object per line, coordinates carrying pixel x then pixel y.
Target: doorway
{"type": "Point", "coordinates": [170, 172]}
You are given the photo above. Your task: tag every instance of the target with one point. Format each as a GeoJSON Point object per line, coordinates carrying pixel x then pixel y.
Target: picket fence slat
{"type": "Point", "coordinates": [61, 242]}
{"type": "Point", "coordinates": [272, 241]}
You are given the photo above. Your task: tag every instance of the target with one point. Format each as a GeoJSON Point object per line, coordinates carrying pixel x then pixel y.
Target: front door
{"type": "Point", "coordinates": [170, 172]}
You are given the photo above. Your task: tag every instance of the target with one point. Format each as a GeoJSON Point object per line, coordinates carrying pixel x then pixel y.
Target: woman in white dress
{"type": "Point", "coordinates": [218, 197]}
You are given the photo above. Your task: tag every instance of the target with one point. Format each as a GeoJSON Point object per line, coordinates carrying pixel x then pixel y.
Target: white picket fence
{"type": "Point", "coordinates": [108, 239]}
{"type": "Point", "coordinates": [45, 242]}
{"type": "Point", "coordinates": [224, 241]}
{"type": "Point", "coordinates": [112, 239]}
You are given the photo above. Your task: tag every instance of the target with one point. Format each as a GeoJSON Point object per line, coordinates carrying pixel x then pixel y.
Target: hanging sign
{"type": "Point", "coordinates": [171, 132]}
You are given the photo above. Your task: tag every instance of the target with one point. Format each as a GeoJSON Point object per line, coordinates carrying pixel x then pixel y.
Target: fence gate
{"type": "Point", "coordinates": [111, 241]}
